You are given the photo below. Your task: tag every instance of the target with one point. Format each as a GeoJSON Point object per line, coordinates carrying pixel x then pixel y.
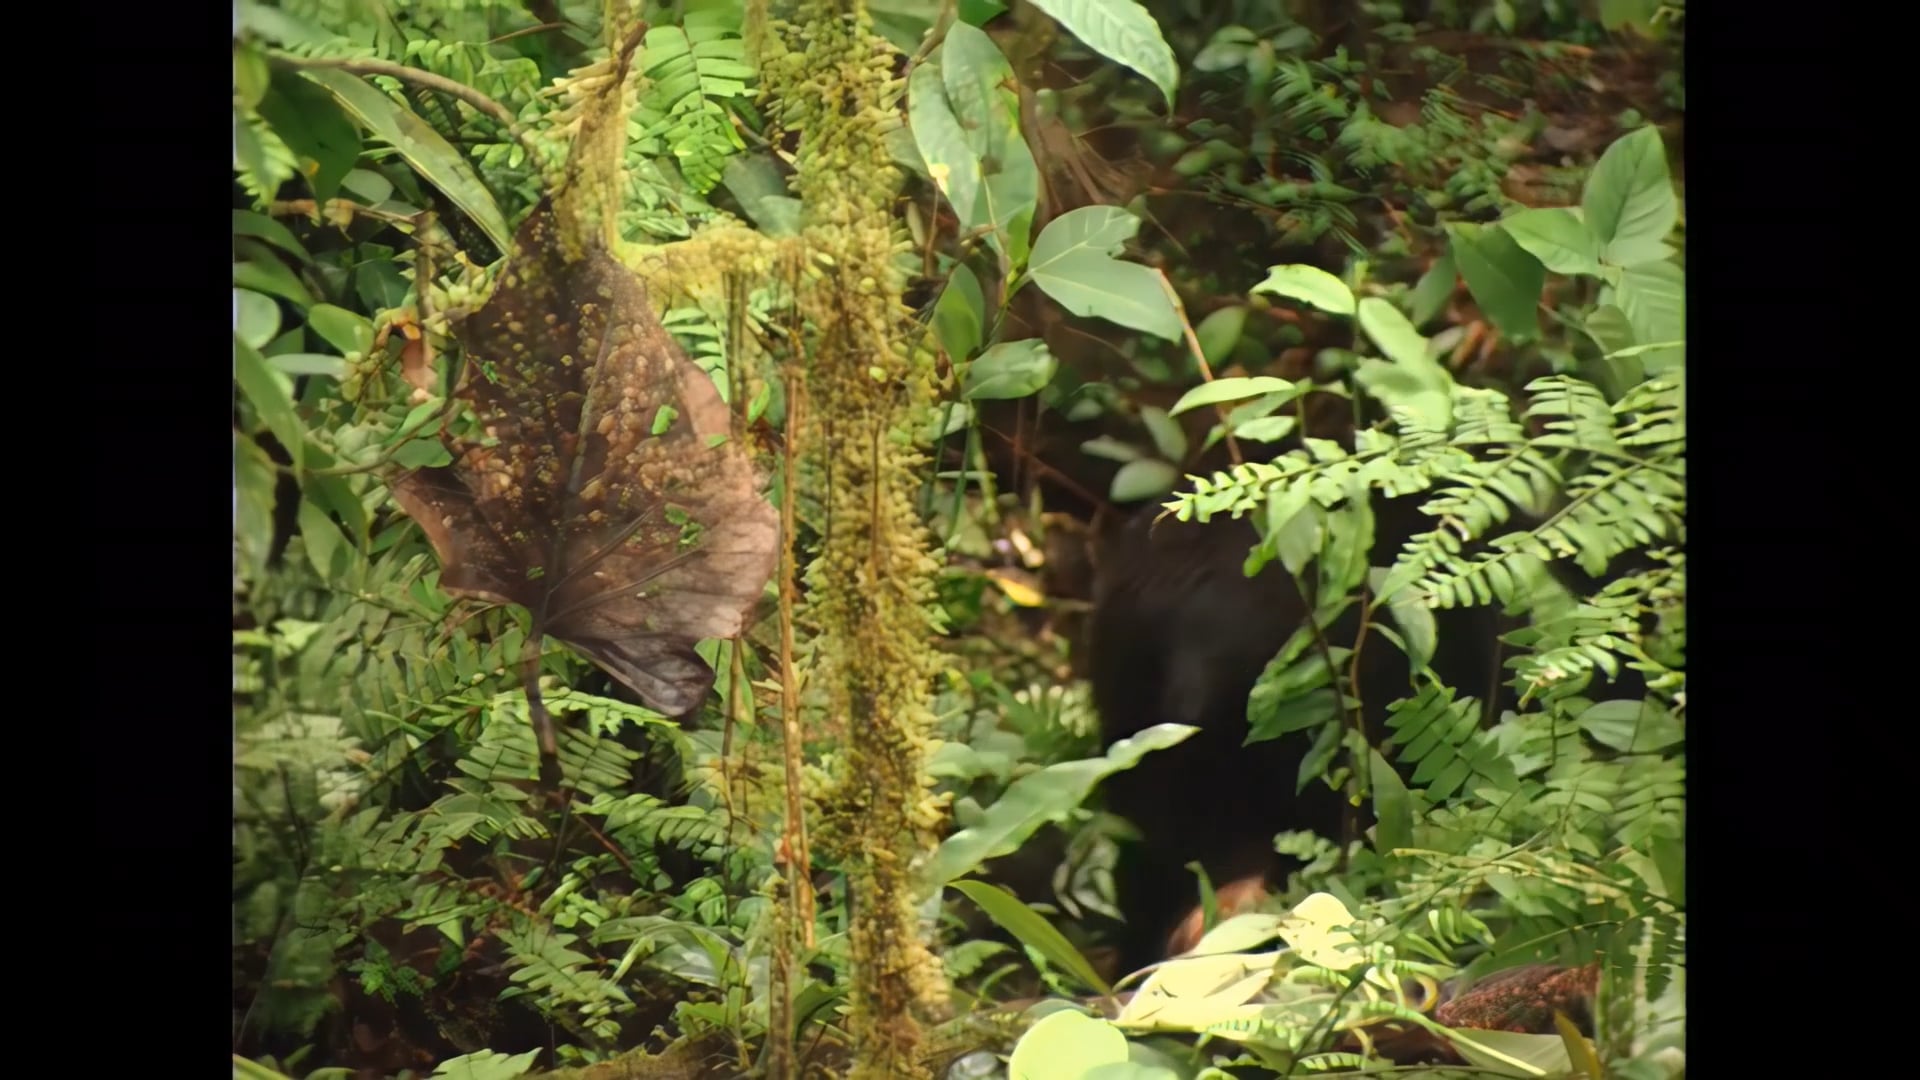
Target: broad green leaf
{"type": "Point", "coordinates": [1423, 389]}
{"type": "Point", "coordinates": [1011, 369]}
{"type": "Point", "coordinates": [1510, 1053]}
{"type": "Point", "coordinates": [1235, 388]}
{"type": "Point", "coordinates": [1239, 934]}
{"type": "Point", "coordinates": [422, 453]}
{"type": "Point", "coordinates": [256, 317]}
{"type": "Point", "coordinates": [262, 227]}
{"type": "Point", "coordinates": [1392, 809]}
{"type": "Point", "coordinates": [378, 284]}
{"type": "Point", "coordinates": [327, 549]}
{"type": "Point", "coordinates": [344, 330]}
{"type": "Point", "coordinates": [1629, 197]}
{"type": "Point", "coordinates": [1637, 252]}
{"type": "Point", "coordinates": [264, 272]}
{"type": "Point", "coordinates": [1266, 428]}
{"type": "Point", "coordinates": [253, 488]}
{"type": "Point", "coordinates": [1416, 622]}
{"type": "Point", "coordinates": [1653, 296]}
{"type": "Point", "coordinates": [1202, 993]}
{"type": "Point", "coordinates": [1309, 285]}
{"type": "Point", "coordinates": [246, 1069]}
{"type": "Point", "coordinates": [1102, 230]}
{"type": "Point", "coordinates": [1609, 329]}
{"type": "Point", "coordinates": [1143, 479]}
{"type": "Point", "coordinates": [1110, 448]}
{"type": "Point", "coordinates": [308, 121]}
{"type": "Point", "coordinates": [1088, 283]}
{"type": "Point", "coordinates": [1297, 713]}
{"type": "Point", "coordinates": [1219, 332]}
{"type": "Point", "coordinates": [1167, 435]}
{"type": "Point", "coordinates": [334, 495]}
{"type": "Point", "coordinates": [301, 363]}
{"type": "Point", "coordinates": [978, 82]}
{"type": "Point", "coordinates": [1121, 31]}
{"type": "Point", "coordinates": [486, 1065]}
{"type": "Point", "coordinates": [755, 180]}
{"type": "Point", "coordinates": [251, 74]}
{"type": "Point", "coordinates": [952, 164]}
{"type": "Point", "coordinates": [1504, 279]}
{"type": "Point", "coordinates": [1064, 1046]}
{"type": "Point", "coordinates": [1636, 350]}
{"type": "Point", "coordinates": [1618, 14]}
{"type": "Point", "coordinates": [1561, 241]}
{"type": "Point", "coordinates": [430, 155]}
{"type": "Point", "coordinates": [959, 316]}
{"type": "Point", "coordinates": [1632, 727]}
{"type": "Point", "coordinates": [979, 12]}
{"type": "Point", "coordinates": [268, 395]}
{"type": "Point", "coordinates": [279, 27]}
{"type": "Point", "coordinates": [368, 186]}
{"type": "Point", "coordinates": [1390, 330]}
{"type": "Point", "coordinates": [1435, 288]}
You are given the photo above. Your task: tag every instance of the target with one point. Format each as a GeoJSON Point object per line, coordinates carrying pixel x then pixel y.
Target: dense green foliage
{"type": "Point", "coordinates": [404, 898]}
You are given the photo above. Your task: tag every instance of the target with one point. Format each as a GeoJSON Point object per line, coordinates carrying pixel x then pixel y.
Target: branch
{"type": "Point", "coordinates": [419, 77]}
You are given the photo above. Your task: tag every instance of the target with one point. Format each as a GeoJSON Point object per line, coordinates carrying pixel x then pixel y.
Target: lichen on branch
{"type": "Point", "coordinates": [830, 79]}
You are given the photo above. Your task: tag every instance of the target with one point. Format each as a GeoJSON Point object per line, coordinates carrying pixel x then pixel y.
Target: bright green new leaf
{"type": "Point", "coordinates": [1561, 241]}
{"type": "Point", "coordinates": [1505, 280]}
{"type": "Point", "coordinates": [1234, 388]}
{"type": "Point", "coordinates": [430, 155]}
{"type": "Point", "coordinates": [1629, 197]}
{"type": "Point", "coordinates": [1309, 285]}
{"type": "Point", "coordinates": [1121, 31]}
{"type": "Point", "coordinates": [1011, 369]}
{"type": "Point", "coordinates": [1064, 1046]}
{"type": "Point", "coordinates": [344, 330]}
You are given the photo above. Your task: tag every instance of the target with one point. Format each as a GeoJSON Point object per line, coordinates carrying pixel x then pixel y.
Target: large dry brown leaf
{"type": "Point", "coordinates": [607, 499]}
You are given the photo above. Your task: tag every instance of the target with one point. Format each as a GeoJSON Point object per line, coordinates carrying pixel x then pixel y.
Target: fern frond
{"type": "Point", "coordinates": [1441, 737]}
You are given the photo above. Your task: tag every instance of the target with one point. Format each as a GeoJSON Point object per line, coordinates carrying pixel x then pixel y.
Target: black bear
{"type": "Point", "coordinates": [1179, 634]}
